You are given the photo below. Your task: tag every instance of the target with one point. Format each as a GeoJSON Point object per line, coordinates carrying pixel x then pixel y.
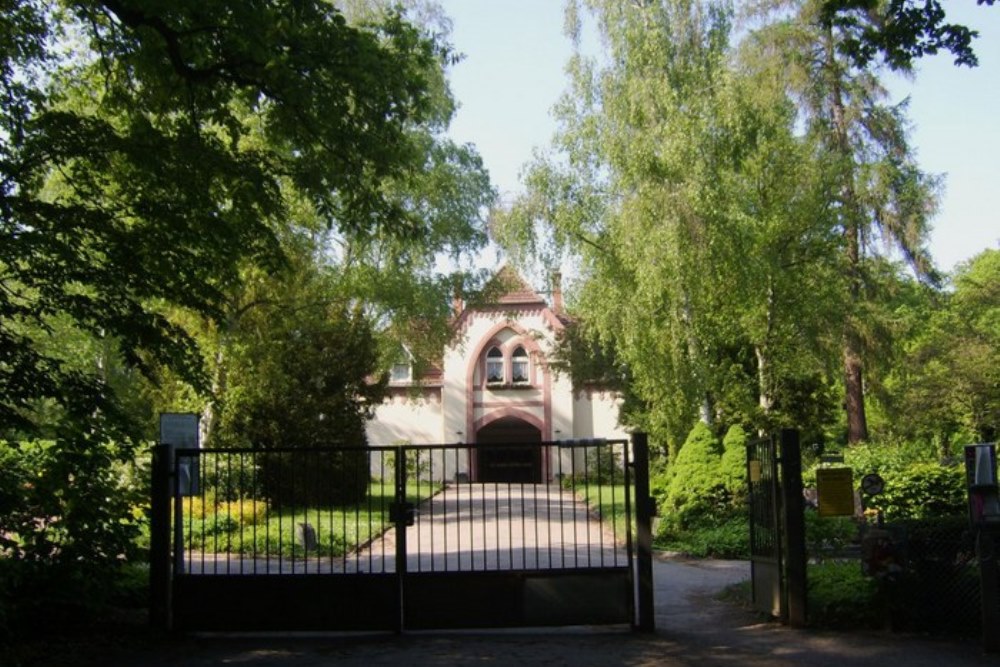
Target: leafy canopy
{"type": "Point", "coordinates": [143, 148]}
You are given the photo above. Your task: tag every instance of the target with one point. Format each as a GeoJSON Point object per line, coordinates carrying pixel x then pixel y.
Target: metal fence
{"type": "Point", "coordinates": [417, 536]}
{"type": "Point", "coordinates": [937, 589]}
{"type": "Point", "coordinates": [301, 511]}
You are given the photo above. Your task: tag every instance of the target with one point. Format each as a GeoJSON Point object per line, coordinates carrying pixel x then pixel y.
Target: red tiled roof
{"type": "Point", "coordinates": [514, 289]}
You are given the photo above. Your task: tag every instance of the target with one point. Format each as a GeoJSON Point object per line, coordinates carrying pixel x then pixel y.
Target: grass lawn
{"type": "Point", "coordinates": [251, 527]}
{"type": "Point", "coordinates": [607, 502]}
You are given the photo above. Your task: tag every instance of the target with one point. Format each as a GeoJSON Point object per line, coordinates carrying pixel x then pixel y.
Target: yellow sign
{"type": "Point", "coordinates": [755, 471]}
{"type": "Point", "coordinates": [835, 488]}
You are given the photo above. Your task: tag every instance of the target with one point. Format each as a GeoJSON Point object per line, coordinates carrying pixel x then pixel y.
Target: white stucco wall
{"type": "Point", "coordinates": [405, 418]}
{"type": "Point", "coordinates": [463, 404]}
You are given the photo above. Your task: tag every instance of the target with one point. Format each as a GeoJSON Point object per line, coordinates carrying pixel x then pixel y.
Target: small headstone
{"type": "Point", "coordinates": [306, 536]}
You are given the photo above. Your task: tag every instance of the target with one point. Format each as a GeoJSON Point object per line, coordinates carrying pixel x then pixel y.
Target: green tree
{"type": "Point", "coordinates": [900, 31]}
{"type": "Point", "coordinates": [167, 98]}
{"type": "Point", "coordinates": [696, 213]}
{"type": "Point", "coordinates": [943, 387]}
{"type": "Point", "coordinates": [622, 196]}
{"type": "Point", "coordinates": [152, 156]}
{"type": "Point", "coordinates": [879, 197]}
{"type": "Point", "coordinates": [304, 373]}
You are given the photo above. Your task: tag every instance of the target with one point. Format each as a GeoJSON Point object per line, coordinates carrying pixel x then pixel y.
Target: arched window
{"type": "Point", "coordinates": [494, 366]}
{"type": "Point", "coordinates": [519, 366]}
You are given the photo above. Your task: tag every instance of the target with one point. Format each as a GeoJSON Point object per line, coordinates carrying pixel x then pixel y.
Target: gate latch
{"type": "Point", "coordinates": [405, 511]}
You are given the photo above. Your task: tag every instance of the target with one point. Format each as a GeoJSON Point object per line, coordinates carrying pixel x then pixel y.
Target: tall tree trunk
{"type": "Point", "coordinates": [854, 399]}
{"type": "Point", "coordinates": [220, 375]}
{"type": "Point", "coordinates": [765, 390]}
{"type": "Point", "coordinates": [857, 421]}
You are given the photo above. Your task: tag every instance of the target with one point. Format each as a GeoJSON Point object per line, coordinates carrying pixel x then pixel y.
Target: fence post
{"type": "Point", "coordinates": [794, 528]}
{"type": "Point", "coordinates": [989, 582]}
{"type": "Point", "coordinates": [644, 510]}
{"type": "Point", "coordinates": [160, 612]}
{"type": "Point", "coordinates": [398, 515]}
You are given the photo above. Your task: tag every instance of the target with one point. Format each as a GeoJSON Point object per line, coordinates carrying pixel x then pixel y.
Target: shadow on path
{"type": "Point", "coordinates": [694, 629]}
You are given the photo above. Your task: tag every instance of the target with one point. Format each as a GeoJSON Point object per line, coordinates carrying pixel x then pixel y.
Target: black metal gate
{"type": "Point", "coordinates": [777, 527]}
{"type": "Point", "coordinates": [394, 538]}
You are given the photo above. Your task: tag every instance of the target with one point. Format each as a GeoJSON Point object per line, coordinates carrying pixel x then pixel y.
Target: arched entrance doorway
{"type": "Point", "coordinates": [509, 452]}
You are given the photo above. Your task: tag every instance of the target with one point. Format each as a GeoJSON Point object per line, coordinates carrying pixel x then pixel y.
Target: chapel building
{"type": "Point", "coordinates": [494, 387]}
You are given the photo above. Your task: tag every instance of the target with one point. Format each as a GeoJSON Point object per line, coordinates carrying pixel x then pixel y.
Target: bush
{"type": "Point", "coordinates": [245, 511]}
{"type": "Point", "coordinates": [733, 465]}
{"type": "Point", "coordinates": [315, 478]}
{"type": "Point", "coordinates": [841, 597]}
{"type": "Point", "coordinates": [915, 486]}
{"type": "Point", "coordinates": [728, 539]}
{"type": "Point", "coordinates": [67, 528]}
{"type": "Point", "coordinates": [696, 493]}
{"type": "Point", "coordinates": [923, 490]}
{"type": "Point", "coordinates": [829, 534]}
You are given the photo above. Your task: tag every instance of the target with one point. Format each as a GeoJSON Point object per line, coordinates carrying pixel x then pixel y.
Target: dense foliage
{"type": "Point", "coordinates": [749, 224]}
{"type": "Point", "coordinates": [209, 207]}
{"type": "Point", "coordinates": [702, 496]}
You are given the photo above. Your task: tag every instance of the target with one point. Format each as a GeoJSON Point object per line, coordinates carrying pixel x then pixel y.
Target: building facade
{"type": "Point", "coordinates": [495, 387]}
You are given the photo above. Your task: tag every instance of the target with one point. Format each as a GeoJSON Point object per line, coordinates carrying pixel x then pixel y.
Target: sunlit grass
{"type": "Point", "coordinates": [251, 527]}
{"type": "Point", "coordinates": [607, 502]}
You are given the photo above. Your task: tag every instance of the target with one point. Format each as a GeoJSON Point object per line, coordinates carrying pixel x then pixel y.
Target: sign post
{"type": "Point", "coordinates": [179, 431]}
{"type": "Point", "coordinates": [984, 514]}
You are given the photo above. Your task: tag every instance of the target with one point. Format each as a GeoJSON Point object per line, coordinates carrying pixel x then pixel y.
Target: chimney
{"type": "Point", "coordinates": [557, 298]}
{"type": "Point", "coordinates": [457, 304]}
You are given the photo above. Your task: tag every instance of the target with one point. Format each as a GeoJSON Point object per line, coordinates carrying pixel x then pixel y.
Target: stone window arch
{"type": "Point", "coordinates": [520, 366]}
{"type": "Point", "coordinates": [495, 366]}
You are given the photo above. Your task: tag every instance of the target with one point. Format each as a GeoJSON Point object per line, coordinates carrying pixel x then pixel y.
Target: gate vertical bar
{"type": "Point", "coordinates": [774, 508]}
{"type": "Point", "coordinates": [160, 581]}
{"type": "Point", "coordinates": [399, 514]}
{"type": "Point", "coordinates": [793, 506]}
{"type": "Point", "coordinates": [646, 622]}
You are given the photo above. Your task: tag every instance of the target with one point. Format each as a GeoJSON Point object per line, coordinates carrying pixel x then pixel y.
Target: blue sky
{"type": "Point", "coordinates": [512, 74]}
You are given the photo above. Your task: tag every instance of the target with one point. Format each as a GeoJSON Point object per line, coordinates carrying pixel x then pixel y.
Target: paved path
{"type": "Point", "coordinates": [533, 526]}
{"type": "Point", "coordinates": [465, 527]}
{"type": "Point", "coordinates": [693, 630]}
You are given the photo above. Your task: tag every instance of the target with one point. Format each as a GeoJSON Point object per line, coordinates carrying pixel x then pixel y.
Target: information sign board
{"type": "Point", "coordinates": [180, 429]}
{"type": "Point", "coordinates": [835, 488]}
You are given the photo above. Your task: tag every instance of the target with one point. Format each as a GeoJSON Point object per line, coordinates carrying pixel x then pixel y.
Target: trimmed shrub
{"type": "Point", "coordinates": [696, 493]}
{"type": "Point", "coordinates": [733, 466]}
{"type": "Point", "coordinates": [317, 478]}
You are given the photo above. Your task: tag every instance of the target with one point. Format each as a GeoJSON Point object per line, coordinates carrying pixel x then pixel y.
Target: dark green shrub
{"type": "Point", "coordinates": [828, 535]}
{"type": "Point", "coordinates": [604, 465]}
{"type": "Point", "coordinates": [696, 492]}
{"type": "Point", "coordinates": [733, 466]}
{"type": "Point", "coordinates": [840, 597]}
{"type": "Point", "coordinates": [315, 478]}
{"type": "Point", "coordinates": [727, 539]}
{"type": "Point", "coordinates": [923, 490]}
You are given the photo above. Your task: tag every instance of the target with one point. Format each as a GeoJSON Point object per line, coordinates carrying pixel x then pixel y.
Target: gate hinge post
{"type": "Point", "coordinates": [160, 579]}
{"type": "Point", "coordinates": [645, 617]}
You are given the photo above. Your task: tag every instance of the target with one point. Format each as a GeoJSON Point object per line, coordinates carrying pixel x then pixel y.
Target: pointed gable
{"type": "Point", "coordinates": [511, 288]}
{"type": "Point", "coordinates": [509, 293]}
